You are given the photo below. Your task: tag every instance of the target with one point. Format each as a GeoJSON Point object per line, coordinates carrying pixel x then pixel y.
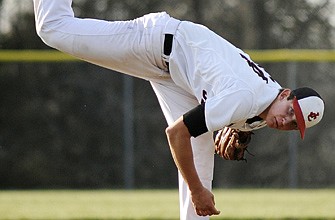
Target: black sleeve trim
{"type": "Point", "coordinates": [195, 121]}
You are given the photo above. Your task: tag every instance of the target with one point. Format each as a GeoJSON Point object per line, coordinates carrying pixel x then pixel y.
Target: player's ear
{"type": "Point", "coordinates": [284, 94]}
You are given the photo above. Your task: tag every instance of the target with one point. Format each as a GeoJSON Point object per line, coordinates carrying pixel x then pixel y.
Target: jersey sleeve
{"type": "Point", "coordinates": [228, 107]}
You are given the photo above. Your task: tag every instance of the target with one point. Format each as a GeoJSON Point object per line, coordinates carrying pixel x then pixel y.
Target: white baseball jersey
{"type": "Point", "coordinates": [233, 87]}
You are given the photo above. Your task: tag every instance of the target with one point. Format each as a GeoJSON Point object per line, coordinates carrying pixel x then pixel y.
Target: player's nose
{"type": "Point", "coordinates": [289, 119]}
{"type": "Point", "coordinates": [287, 122]}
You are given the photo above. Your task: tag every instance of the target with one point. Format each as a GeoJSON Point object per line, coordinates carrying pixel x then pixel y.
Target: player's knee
{"type": "Point", "coordinates": [42, 35]}
{"type": "Point", "coordinates": [49, 34]}
{"type": "Point", "coordinates": [45, 35]}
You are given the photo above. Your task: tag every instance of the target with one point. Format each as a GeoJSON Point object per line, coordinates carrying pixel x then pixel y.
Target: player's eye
{"type": "Point", "coordinates": [291, 111]}
{"type": "Point", "coordinates": [295, 125]}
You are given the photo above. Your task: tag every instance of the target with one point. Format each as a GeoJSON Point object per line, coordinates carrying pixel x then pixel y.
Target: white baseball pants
{"type": "Point", "coordinates": [135, 48]}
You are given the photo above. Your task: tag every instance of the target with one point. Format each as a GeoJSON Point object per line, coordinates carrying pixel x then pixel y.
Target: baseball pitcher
{"type": "Point", "coordinates": [203, 83]}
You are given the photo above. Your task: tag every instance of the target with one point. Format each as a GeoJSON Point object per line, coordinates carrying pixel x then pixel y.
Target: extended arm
{"type": "Point", "coordinates": [181, 149]}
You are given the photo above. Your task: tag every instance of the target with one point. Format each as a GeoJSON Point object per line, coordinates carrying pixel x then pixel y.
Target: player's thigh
{"type": "Point", "coordinates": [175, 102]}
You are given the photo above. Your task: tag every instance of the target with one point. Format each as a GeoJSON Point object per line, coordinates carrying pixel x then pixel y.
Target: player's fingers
{"type": "Point", "coordinates": [201, 212]}
{"type": "Point", "coordinates": [229, 154]}
{"type": "Point", "coordinates": [210, 209]}
{"type": "Point", "coordinates": [214, 211]}
{"type": "Point", "coordinates": [226, 140]}
{"type": "Point", "coordinates": [218, 135]}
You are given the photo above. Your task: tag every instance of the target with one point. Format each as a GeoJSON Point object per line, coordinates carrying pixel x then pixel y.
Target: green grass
{"type": "Point", "coordinates": [163, 204]}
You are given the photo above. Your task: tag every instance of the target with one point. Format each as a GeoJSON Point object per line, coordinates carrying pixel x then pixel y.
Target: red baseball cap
{"type": "Point", "coordinates": [308, 108]}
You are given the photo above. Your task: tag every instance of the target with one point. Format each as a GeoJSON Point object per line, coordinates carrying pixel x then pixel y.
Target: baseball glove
{"type": "Point", "coordinates": [231, 144]}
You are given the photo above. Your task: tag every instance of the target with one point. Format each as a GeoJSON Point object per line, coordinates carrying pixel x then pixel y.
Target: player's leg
{"type": "Point", "coordinates": [175, 102]}
{"type": "Point", "coordinates": [133, 47]}
{"type": "Point", "coordinates": [203, 158]}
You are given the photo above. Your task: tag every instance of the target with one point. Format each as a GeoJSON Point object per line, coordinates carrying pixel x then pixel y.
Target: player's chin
{"type": "Point", "coordinates": [271, 124]}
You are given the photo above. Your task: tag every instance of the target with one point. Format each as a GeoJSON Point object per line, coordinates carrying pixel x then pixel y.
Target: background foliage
{"type": "Point", "coordinates": [61, 123]}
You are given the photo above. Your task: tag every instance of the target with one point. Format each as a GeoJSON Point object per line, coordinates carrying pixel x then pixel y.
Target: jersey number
{"type": "Point", "coordinates": [256, 68]}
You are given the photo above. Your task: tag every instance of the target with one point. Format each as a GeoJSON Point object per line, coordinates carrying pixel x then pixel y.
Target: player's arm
{"type": "Point", "coordinates": [180, 144]}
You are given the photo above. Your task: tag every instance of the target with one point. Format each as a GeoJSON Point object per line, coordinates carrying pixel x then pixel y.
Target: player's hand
{"type": "Point", "coordinates": [203, 202]}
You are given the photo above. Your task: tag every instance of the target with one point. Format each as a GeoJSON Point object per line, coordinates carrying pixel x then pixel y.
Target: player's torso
{"type": "Point", "coordinates": [208, 66]}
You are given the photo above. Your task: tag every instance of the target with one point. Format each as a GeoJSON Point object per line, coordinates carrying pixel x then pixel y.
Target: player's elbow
{"type": "Point", "coordinates": [177, 133]}
{"type": "Point", "coordinates": [46, 35]}
{"type": "Point", "coordinates": [172, 136]}
{"type": "Point", "coordinates": [170, 132]}
{"type": "Point", "coordinates": [51, 36]}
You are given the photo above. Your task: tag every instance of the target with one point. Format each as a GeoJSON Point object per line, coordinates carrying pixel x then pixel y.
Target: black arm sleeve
{"type": "Point", "coordinates": [195, 121]}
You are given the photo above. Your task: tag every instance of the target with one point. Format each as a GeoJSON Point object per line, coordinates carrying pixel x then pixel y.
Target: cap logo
{"type": "Point", "coordinates": [313, 116]}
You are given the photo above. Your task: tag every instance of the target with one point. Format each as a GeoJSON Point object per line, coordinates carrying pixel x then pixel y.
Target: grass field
{"type": "Point", "coordinates": [163, 204]}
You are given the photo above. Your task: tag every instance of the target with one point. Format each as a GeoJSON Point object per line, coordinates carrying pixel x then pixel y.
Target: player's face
{"type": "Point", "coordinates": [281, 113]}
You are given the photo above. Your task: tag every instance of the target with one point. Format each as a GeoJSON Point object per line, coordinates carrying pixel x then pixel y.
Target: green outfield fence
{"type": "Point", "coordinates": [290, 57]}
{"type": "Point", "coordinates": [276, 55]}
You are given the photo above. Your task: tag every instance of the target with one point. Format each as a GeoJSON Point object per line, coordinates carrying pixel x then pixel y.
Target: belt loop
{"type": "Point", "coordinates": [168, 38]}
{"type": "Point", "coordinates": [168, 32]}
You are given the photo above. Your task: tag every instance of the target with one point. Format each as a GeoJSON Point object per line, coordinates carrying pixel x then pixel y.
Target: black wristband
{"type": "Point", "coordinates": [195, 121]}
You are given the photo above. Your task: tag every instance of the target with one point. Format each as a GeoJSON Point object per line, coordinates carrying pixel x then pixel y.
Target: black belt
{"type": "Point", "coordinates": [168, 40]}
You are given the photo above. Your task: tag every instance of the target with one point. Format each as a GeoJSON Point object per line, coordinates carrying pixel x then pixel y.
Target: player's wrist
{"type": "Point", "coordinates": [196, 189]}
